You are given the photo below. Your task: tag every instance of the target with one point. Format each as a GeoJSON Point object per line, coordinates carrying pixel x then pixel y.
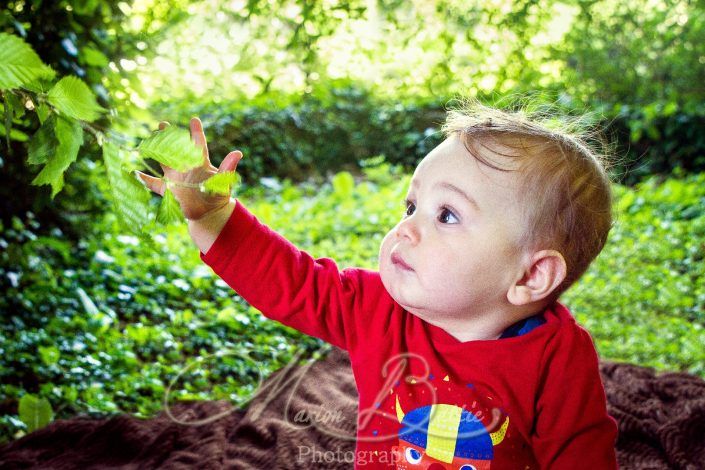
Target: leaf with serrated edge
{"type": "Point", "coordinates": [172, 147]}
{"type": "Point", "coordinates": [220, 183]}
{"type": "Point", "coordinates": [70, 137]}
{"type": "Point", "coordinates": [130, 197]}
{"type": "Point", "coordinates": [35, 412]}
{"type": "Point", "coordinates": [73, 98]}
{"type": "Point", "coordinates": [19, 64]}
{"type": "Point", "coordinates": [169, 209]}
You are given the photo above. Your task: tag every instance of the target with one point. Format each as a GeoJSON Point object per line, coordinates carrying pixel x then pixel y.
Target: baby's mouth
{"type": "Point", "coordinates": [398, 261]}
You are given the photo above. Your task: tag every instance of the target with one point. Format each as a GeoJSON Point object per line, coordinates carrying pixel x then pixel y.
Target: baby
{"type": "Point", "coordinates": [462, 354]}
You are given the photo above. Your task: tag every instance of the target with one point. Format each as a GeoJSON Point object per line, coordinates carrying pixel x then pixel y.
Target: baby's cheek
{"type": "Point", "coordinates": [385, 248]}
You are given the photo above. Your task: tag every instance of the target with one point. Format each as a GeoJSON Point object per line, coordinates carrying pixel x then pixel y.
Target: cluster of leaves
{"type": "Point", "coordinates": [64, 110]}
{"type": "Point", "coordinates": [114, 333]}
{"type": "Point", "coordinates": [74, 38]}
{"type": "Point", "coordinates": [56, 143]}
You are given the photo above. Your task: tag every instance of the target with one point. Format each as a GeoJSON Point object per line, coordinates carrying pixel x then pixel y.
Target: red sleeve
{"type": "Point", "coordinates": [572, 427]}
{"type": "Point", "coordinates": [284, 283]}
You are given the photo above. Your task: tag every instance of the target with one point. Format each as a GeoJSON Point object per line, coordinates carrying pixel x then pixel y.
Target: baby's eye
{"type": "Point", "coordinates": [410, 207]}
{"type": "Point", "coordinates": [446, 214]}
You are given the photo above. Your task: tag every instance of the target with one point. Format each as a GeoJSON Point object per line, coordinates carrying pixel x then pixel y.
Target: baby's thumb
{"type": "Point", "coordinates": [230, 161]}
{"type": "Point", "coordinates": [154, 184]}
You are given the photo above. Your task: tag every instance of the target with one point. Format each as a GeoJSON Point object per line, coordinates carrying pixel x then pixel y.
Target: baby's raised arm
{"type": "Point", "coordinates": [285, 283]}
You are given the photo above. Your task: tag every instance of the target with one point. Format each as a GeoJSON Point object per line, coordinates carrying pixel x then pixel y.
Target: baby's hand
{"type": "Point", "coordinates": [194, 203]}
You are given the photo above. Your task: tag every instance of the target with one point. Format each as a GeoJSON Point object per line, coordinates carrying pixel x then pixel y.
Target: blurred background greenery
{"type": "Point", "coordinates": [333, 102]}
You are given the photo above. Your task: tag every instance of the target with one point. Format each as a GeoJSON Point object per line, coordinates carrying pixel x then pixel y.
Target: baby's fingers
{"type": "Point", "coordinates": [154, 184]}
{"type": "Point", "coordinates": [199, 138]}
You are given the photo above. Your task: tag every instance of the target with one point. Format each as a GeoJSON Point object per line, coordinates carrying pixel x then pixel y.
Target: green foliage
{"type": "Point", "coordinates": [69, 137]}
{"type": "Point", "coordinates": [172, 147]}
{"type": "Point", "coordinates": [169, 210]}
{"type": "Point", "coordinates": [317, 135]}
{"type": "Point", "coordinates": [222, 182]}
{"type": "Point", "coordinates": [69, 107]}
{"type": "Point", "coordinates": [659, 139]}
{"type": "Point", "coordinates": [96, 41]}
{"type": "Point", "coordinates": [34, 412]}
{"type": "Point", "coordinates": [644, 297]}
{"type": "Point", "coordinates": [654, 48]}
{"type": "Point", "coordinates": [19, 64]}
{"type": "Point", "coordinates": [130, 198]}
{"type": "Point", "coordinates": [104, 325]}
{"type": "Point", "coordinates": [74, 99]}
{"type": "Point", "coordinates": [43, 142]}
{"type": "Point", "coordinates": [418, 55]}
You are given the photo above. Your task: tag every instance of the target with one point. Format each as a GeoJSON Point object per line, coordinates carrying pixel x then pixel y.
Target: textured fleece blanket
{"type": "Point", "coordinates": [304, 417]}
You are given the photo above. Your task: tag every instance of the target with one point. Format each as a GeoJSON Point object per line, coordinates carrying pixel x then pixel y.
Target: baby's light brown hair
{"type": "Point", "coordinates": [565, 191]}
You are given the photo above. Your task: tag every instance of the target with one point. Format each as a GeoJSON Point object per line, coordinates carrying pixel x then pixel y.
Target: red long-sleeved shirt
{"type": "Point", "coordinates": [523, 402]}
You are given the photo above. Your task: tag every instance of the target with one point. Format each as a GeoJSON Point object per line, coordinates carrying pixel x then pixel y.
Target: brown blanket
{"type": "Point", "coordinates": [661, 422]}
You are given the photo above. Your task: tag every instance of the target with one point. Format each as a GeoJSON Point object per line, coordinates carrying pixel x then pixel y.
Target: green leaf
{"type": "Point", "coordinates": [35, 412]}
{"type": "Point", "coordinates": [74, 99]}
{"type": "Point", "coordinates": [227, 315]}
{"type": "Point", "coordinates": [16, 103]}
{"type": "Point", "coordinates": [43, 143]}
{"type": "Point", "coordinates": [43, 112]}
{"type": "Point", "coordinates": [70, 137]}
{"type": "Point", "coordinates": [130, 197]}
{"type": "Point", "coordinates": [16, 135]}
{"type": "Point", "coordinates": [169, 209]}
{"type": "Point", "coordinates": [94, 57]}
{"type": "Point", "coordinates": [19, 64]}
{"type": "Point", "coordinates": [49, 354]}
{"type": "Point", "coordinates": [343, 184]}
{"type": "Point", "coordinates": [13, 109]}
{"type": "Point", "coordinates": [220, 183]}
{"type": "Point", "coordinates": [172, 147]}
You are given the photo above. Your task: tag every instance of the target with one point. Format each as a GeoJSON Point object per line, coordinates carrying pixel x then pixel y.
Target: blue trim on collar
{"type": "Point", "coordinates": [524, 326]}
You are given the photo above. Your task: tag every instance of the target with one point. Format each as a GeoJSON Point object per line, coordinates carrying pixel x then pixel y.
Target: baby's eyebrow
{"type": "Point", "coordinates": [451, 187]}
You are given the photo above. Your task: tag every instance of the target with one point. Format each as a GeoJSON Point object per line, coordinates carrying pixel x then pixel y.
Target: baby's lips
{"type": "Point", "coordinates": [398, 260]}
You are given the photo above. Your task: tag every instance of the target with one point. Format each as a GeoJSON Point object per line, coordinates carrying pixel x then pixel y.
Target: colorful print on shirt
{"type": "Point", "coordinates": [445, 436]}
{"type": "Point", "coordinates": [439, 424]}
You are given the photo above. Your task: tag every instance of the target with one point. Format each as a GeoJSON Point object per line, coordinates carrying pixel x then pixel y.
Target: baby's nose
{"type": "Point", "coordinates": [409, 229]}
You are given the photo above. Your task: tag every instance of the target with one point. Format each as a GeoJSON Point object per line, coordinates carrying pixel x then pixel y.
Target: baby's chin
{"type": "Point", "coordinates": [388, 286]}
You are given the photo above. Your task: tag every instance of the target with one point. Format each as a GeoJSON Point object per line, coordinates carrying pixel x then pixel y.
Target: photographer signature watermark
{"type": "Point", "coordinates": [336, 423]}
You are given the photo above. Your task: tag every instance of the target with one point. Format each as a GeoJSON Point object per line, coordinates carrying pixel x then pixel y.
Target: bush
{"type": "Point", "coordinates": [658, 139]}
{"type": "Point", "coordinates": [317, 136]}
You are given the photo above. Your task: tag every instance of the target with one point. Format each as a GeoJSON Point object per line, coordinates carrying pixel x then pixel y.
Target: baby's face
{"type": "Point", "coordinates": [453, 253]}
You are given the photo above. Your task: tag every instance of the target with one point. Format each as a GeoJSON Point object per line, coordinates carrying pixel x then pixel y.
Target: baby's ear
{"type": "Point", "coordinates": [545, 273]}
